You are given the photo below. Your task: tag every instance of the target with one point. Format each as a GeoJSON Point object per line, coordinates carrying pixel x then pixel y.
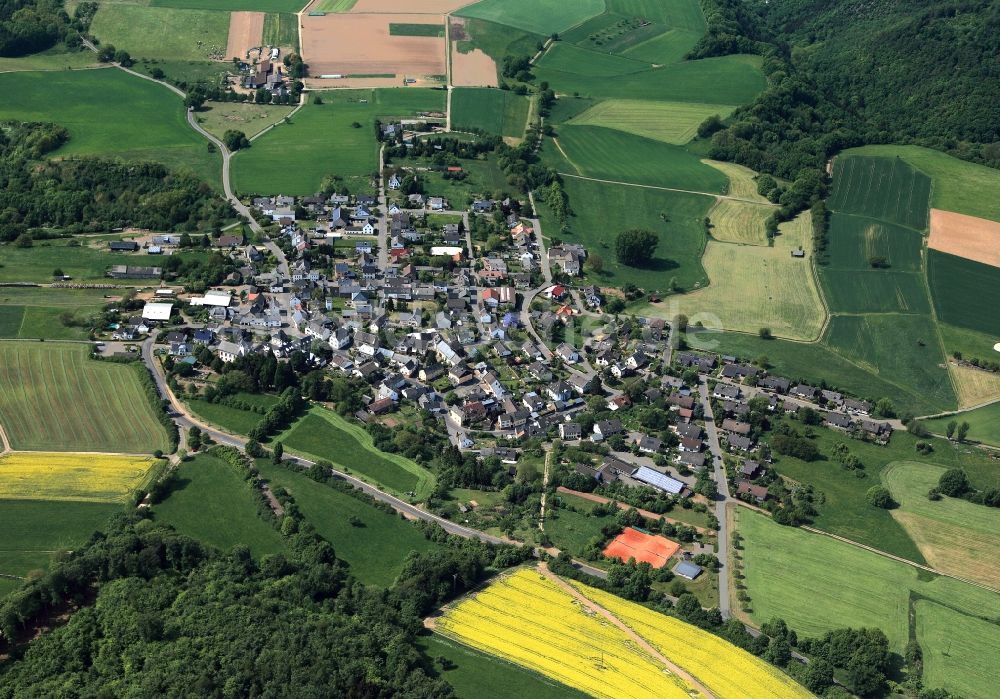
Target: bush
{"type": "Point", "coordinates": [954, 483]}
{"type": "Point", "coordinates": [879, 496]}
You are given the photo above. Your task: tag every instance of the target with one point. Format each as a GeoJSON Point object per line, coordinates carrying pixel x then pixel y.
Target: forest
{"type": "Point", "coordinates": [77, 195]}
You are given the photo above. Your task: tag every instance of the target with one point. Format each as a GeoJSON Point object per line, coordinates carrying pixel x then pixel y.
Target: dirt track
{"type": "Point", "coordinates": [246, 30]}
{"type": "Point", "coordinates": [965, 236]}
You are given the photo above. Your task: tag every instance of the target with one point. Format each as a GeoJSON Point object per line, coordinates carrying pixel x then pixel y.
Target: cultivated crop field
{"type": "Point", "coordinates": [938, 526]}
{"type": "Point", "coordinates": [232, 5]}
{"type": "Point", "coordinates": [212, 503]}
{"type": "Point", "coordinates": [874, 291]}
{"type": "Point", "coordinates": [753, 287]}
{"type": "Point", "coordinates": [375, 548]}
{"type": "Point", "coordinates": [670, 122]}
{"type": "Point", "coordinates": [739, 222]}
{"type": "Point", "coordinates": [497, 112]}
{"type": "Point", "coordinates": [966, 236]}
{"type": "Point", "coordinates": [326, 435]}
{"type": "Point", "coordinates": [964, 292]}
{"type": "Point", "coordinates": [974, 386]}
{"type": "Point", "coordinates": [36, 475]}
{"type": "Point", "coordinates": [54, 397]}
{"type": "Point", "coordinates": [570, 59]}
{"type": "Point", "coordinates": [87, 103]}
{"type": "Point", "coordinates": [855, 240]}
{"type": "Point", "coordinates": [538, 16]}
{"type": "Point", "coordinates": [884, 188]}
{"type": "Point", "coordinates": [163, 32]}
{"type": "Point", "coordinates": [818, 584]}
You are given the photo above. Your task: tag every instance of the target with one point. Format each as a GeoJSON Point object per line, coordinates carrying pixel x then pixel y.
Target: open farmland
{"type": "Point", "coordinates": [676, 217]}
{"type": "Point", "coordinates": [36, 312]}
{"type": "Point", "coordinates": [903, 349]}
{"type": "Point", "coordinates": [470, 66]}
{"type": "Point", "coordinates": [607, 154]}
{"type": "Point", "coordinates": [854, 241]}
{"type": "Point", "coordinates": [970, 237]}
{"type": "Point", "coordinates": [497, 112]}
{"type": "Point", "coordinates": [955, 647]}
{"type": "Point", "coordinates": [984, 424]}
{"type": "Point", "coordinates": [246, 29]}
{"type": "Point", "coordinates": [213, 503]}
{"type": "Point", "coordinates": [874, 291]}
{"type": "Point", "coordinates": [324, 434]}
{"type": "Point", "coordinates": [567, 58]}
{"type": "Point", "coordinates": [282, 29]}
{"type": "Point", "coordinates": [163, 32]}
{"type": "Point", "coordinates": [670, 122]}
{"type": "Point", "coordinates": [539, 16]}
{"type": "Point", "coordinates": [753, 287]}
{"type": "Point", "coordinates": [374, 543]}
{"type": "Point", "coordinates": [974, 386]}
{"type": "Point", "coordinates": [742, 181]}
{"type": "Point", "coordinates": [884, 188]}
{"type": "Point", "coordinates": [817, 584]}
{"type": "Point", "coordinates": [740, 222]}
{"type": "Point", "coordinates": [531, 621]}
{"type": "Point", "coordinates": [231, 5]}
{"type": "Point", "coordinates": [251, 119]}
{"type": "Point", "coordinates": [964, 292]}
{"type": "Point", "coordinates": [36, 264]}
{"type": "Point", "coordinates": [88, 477]}
{"type": "Point", "coordinates": [936, 526]}
{"type": "Point", "coordinates": [54, 397]}
{"type": "Point", "coordinates": [154, 126]}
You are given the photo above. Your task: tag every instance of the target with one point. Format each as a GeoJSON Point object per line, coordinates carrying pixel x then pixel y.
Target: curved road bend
{"type": "Point", "coordinates": [185, 420]}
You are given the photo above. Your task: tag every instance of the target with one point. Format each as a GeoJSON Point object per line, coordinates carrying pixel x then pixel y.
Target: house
{"type": "Point", "coordinates": [775, 384]}
{"type": "Point", "coordinates": [581, 383]}
{"type": "Point", "coordinates": [380, 406]}
{"type": "Point", "coordinates": [747, 489]}
{"type": "Point", "coordinates": [689, 430]}
{"type": "Point", "coordinates": [567, 258]}
{"type": "Point", "coordinates": [736, 372]}
{"type": "Point", "coordinates": [606, 428]}
{"type": "Point", "coordinates": [736, 427]}
{"type": "Point", "coordinates": [560, 391]}
{"type": "Point", "coordinates": [482, 206]}
{"type": "Point", "coordinates": [569, 431]}
{"type": "Point", "coordinates": [689, 444]}
{"type": "Point", "coordinates": [230, 351]}
{"type": "Point", "coordinates": [649, 445]}
{"type": "Point", "coordinates": [726, 392]}
{"type": "Point", "coordinates": [857, 407]}
{"type": "Point", "coordinates": [703, 364]}
{"type": "Point", "coordinates": [395, 182]}
{"type": "Point", "coordinates": [619, 402]}
{"type": "Point", "coordinates": [692, 459]}
{"type": "Point", "coordinates": [751, 469]}
{"type": "Point", "coordinates": [514, 420]}
{"type": "Point", "coordinates": [831, 397]}
{"type": "Point", "coordinates": [567, 353]}
{"type": "Point", "coordinates": [132, 272]}
{"type": "Point", "coordinates": [437, 203]}
{"type": "Point", "coordinates": [804, 392]}
{"type": "Point", "coordinates": [841, 421]}
{"type": "Point", "coordinates": [880, 431]}
{"type": "Point", "coordinates": [658, 480]}
{"type": "Point", "coordinates": [740, 443]}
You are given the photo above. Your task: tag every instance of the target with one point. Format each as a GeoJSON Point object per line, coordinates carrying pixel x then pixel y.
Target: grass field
{"type": "Point", "coordinates": [251, 119]}
{"type": "Point", "coordinates": [572, 531]}
{"type": "Point", "coordinates": [281, 29]}
{"type": "Point", "coordinates": [974, 386]}
{"type": "Point", "coordinates": [325, 435]}
{"type": "Point", "coordinates": [54, 397]}
{"type": "Point", "coordinates": [742, 180]}
{"type": "Point", "coordinates": [669, 47]}
{"type": "Point", "coordinates": [958, 185]}
{"type": "Point", "coordinates": [607, 154]}
{"type": "Point", "coordinates": [497, 40]}
{"type": "Point", "coordinates": [483, 178]}
{"type": "Point", "coordinates": [36, 475]}
{"type": "Point", "coordinates": [87, 102]}
{"type": "Point", "coordinates": [213, 504]}
{"type": "Point", "coordinates": [407, 29]}
{"type": "Point", "coordinates": [233, 5]}
{"type": "Point", "coordinates": [817, 584]}
{"type": "Point", "coordinates": [855, 240]}
{"type": "Point", "coordinates": [964, 292]}
{"type": "Point", "coordinates": [321, 140]}
{"type": "Point", "coordinates": [498, 112]}
{"type": "Point", "coordinates": [726, 80]}
{"type": "Point", "coordinates": [614, 33]}
{"type": "Point", "coordinates": [902, 349]}
{"type": "Point", "coordinates": [538, 16]}
{"type": "Point", "coordinates": [35, 312]}
{"type": "Point", "coordinates": [230, 419]}
{"type": "Point", "coordinates": [49, 60]}
{"type": "Point", "coordinates": [753, 287]}
{"type": "Point", "coordinates": [471, 670]}
{"type": "Point", "coordinates": [883, 188]}
{"type": "Point", "coordinates": [740, 222]}
{"type": "Point", "coordinates": [604, 210]}
{"type": "Point", "coordinates": [33, 530]}
{"type": "Point", "coordinates": [36, 264]}
{"type": "Point", "coordinates": [954, 536]}
{"type": "Point", "coordinates": [375, 549]}
{"type": "Point", "coordinates": [568, 58]}
{"type": "Point", "coordinates": [960, 653]}
{"type": "Point", "coordinates": [970, 343]}
{"type": "Point", "coordinates": [984, 424]}
{"type": "Point", "coordinates": [162, 32]}
{"type": "Point", "coordinates": [670, 122]}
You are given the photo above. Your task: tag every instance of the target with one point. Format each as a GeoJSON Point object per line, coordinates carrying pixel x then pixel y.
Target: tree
{"type": "Point", "coordinates": [24, 241]}
{"type": "Point", "coordinates": [277, 452]}
{"type": "Point", "coordinates": [884, 408]}
{"type": "Point", "coordinates": [954, 483]}
{"type": "Point", "coordinates": [963, 430]}
{"type": "Point", "coordinates": [614, 305]}
{"type": "Point", "coordinates": [235, 140]}
{"type": "Point", "coordinates": [595, 262]}
{"type": "Point", "coordinates": [106, 54]}
{"type": "Point", "coordinates": [950, 429]}
{"type": "Point", "coordinates": [879, 496]}
{"type": "Point", "coordinates": [122, 57]}
{"type": "Point", "coordinates": [765, 333]}
{"type": "Point", "coordinates": [57, 272]}
{"type": "Point", "coordinates": [635, 247]}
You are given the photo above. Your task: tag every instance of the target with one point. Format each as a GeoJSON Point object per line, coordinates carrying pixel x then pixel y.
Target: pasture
{"type": "Point", "coordinates": [954, 536]}
{"type": "Point", "coordinates": [497, 112]}
{"type": "Point", "coordinates": [669, 47]}
{"type": "Point", "coordinates": [903, 349]}
{"type": "Point", "coordinates": [817, 584]}
{"type": "Point", "coordinates": [740, 222]}
{"type": "Point", "coordinates": [974, 386]}
{"type": "Point", "coordinates": [251, 119]}
{"type": "Point", "coordinates": [752, 287]}
{"type": "Point", "coordinates": [235, 420]}
{"type": "Point", "coordinates": [36, 264]}
{"type": "Point", "coordinates": [984, 424]}
{"type": "Point", "coordinates": [36, 312]}
{"type": "Point", "coordinates": [725, 80]}
{"type": "Point", "coordinates": [323, 434]}
{"type": "Point", "coordinates": [964, 292]}
{"type": "Point", "coordinates": [883, 188]}
{"type": "Point", "coordinates": [960, 653]}
{"type": "Point", "coordinates": [54, 397]}
{"type": "Point", "coordinates": [373, 542]}
{"type": "Point", "coordinates": [602, 153]}
{"type": "Point", "coordinates": [959, 185]}
{"type": "Point", "coordinates": [212, 502]}
{"type": "Point", "coordinates": [36, 475]}
{"type": "Point", "coordinates": [670, 122]}
{"type": "Point", "coordinates": [87, 103]}
{"type": "Point", "coordinates": [537, 16]}
{"type": "Point", "coordinates": [572, 530]}
{"type": "Point", "coordinates": [562, 57]}
{"type": "Point", "coordinates": [49, 60]}
{"type": "Point", "coordinates": [232, 5]}
{"type": "Point", "coordinates": [469, 670]}
{"type": "Point", "coordinates": [676, 217]}
{"type": "Point", "coordinates": [163, 32]}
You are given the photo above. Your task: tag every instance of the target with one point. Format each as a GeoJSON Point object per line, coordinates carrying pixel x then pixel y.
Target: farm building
{"type": "Point", "coordinates": [130, 272]}
{"type": "Point", "coordinates": [212, 298]}
{"type": "Point", "coordinates": [123, 246]}
{"type": "Point", "coordinates": [157, 310]}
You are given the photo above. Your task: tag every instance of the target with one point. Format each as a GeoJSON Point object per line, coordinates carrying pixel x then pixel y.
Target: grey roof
{"type": "Point", "coordinates": [687, 570]}
{"type": "Point", "coordinates": [658, 480]}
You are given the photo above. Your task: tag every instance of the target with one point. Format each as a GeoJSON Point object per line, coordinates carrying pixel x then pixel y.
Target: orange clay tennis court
{"type": "Point", "coordinates": [632, 543]}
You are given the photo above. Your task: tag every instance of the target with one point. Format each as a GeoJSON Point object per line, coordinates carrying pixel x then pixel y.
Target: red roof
{"type": "Point", "coordinates": [557, 291]}
{"type": "Point", "coordinates": [454, 168]}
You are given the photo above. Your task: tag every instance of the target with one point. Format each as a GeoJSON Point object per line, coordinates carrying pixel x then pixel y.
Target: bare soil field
{"type": "Point", "coordinates": [472, 69]}
{"type": "Point", "coordinates": [429, 7]}
{"type": "Point", "coordinates": [360, 44]}
{"type": "Point", "coordinates": [246, 29]}
{"type": "Point", "coordinates": [965, 236]}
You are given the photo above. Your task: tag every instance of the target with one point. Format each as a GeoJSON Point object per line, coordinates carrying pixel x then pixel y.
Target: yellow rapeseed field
{"type": "Point", "coordinates": [528, 620]}
{"type": "Point", "coordinates": [727, 671]}
{"type": "Point", "coordinates": [85, 477]}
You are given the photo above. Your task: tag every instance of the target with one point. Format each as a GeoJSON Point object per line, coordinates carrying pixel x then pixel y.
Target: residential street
{"type": "Point", "coordinates": [715, 449]}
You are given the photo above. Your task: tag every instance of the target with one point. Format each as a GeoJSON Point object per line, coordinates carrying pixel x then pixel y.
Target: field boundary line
{"type": "Point", "coordinates": [664, 189]}
{"type": "Point", "coordinates": [4, 442]}
{"type": "Point", "coordinates": [555, 140]}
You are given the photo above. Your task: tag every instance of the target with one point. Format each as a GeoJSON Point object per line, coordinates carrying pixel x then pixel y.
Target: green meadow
{"type": "Point", "coordinates": [670, 122]}
{"type": "Point", "coordinates": [497, 112]}
{"type": "Point", "coordinates": [36, 312]}
{"type": "Point", "coordinates": [965, 292]}
{"type": "Point", "coordinates": [89, 104]}
{"type": "Point", "coordinates": [235, 5]}
{"type": "Point", "coordinates": [537, 16]}
{"type": "Point", "coordinates": [162, 32]}
{"type": "Point", "coordinates": [984, 424]}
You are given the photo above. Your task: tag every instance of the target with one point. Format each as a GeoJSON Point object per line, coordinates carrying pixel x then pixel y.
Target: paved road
{"type": "Point", "coordinates": [719, 470]}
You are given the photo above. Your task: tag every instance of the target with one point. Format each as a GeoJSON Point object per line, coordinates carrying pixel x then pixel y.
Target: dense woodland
{"type": "Point", "coordinates": [78, 195]}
